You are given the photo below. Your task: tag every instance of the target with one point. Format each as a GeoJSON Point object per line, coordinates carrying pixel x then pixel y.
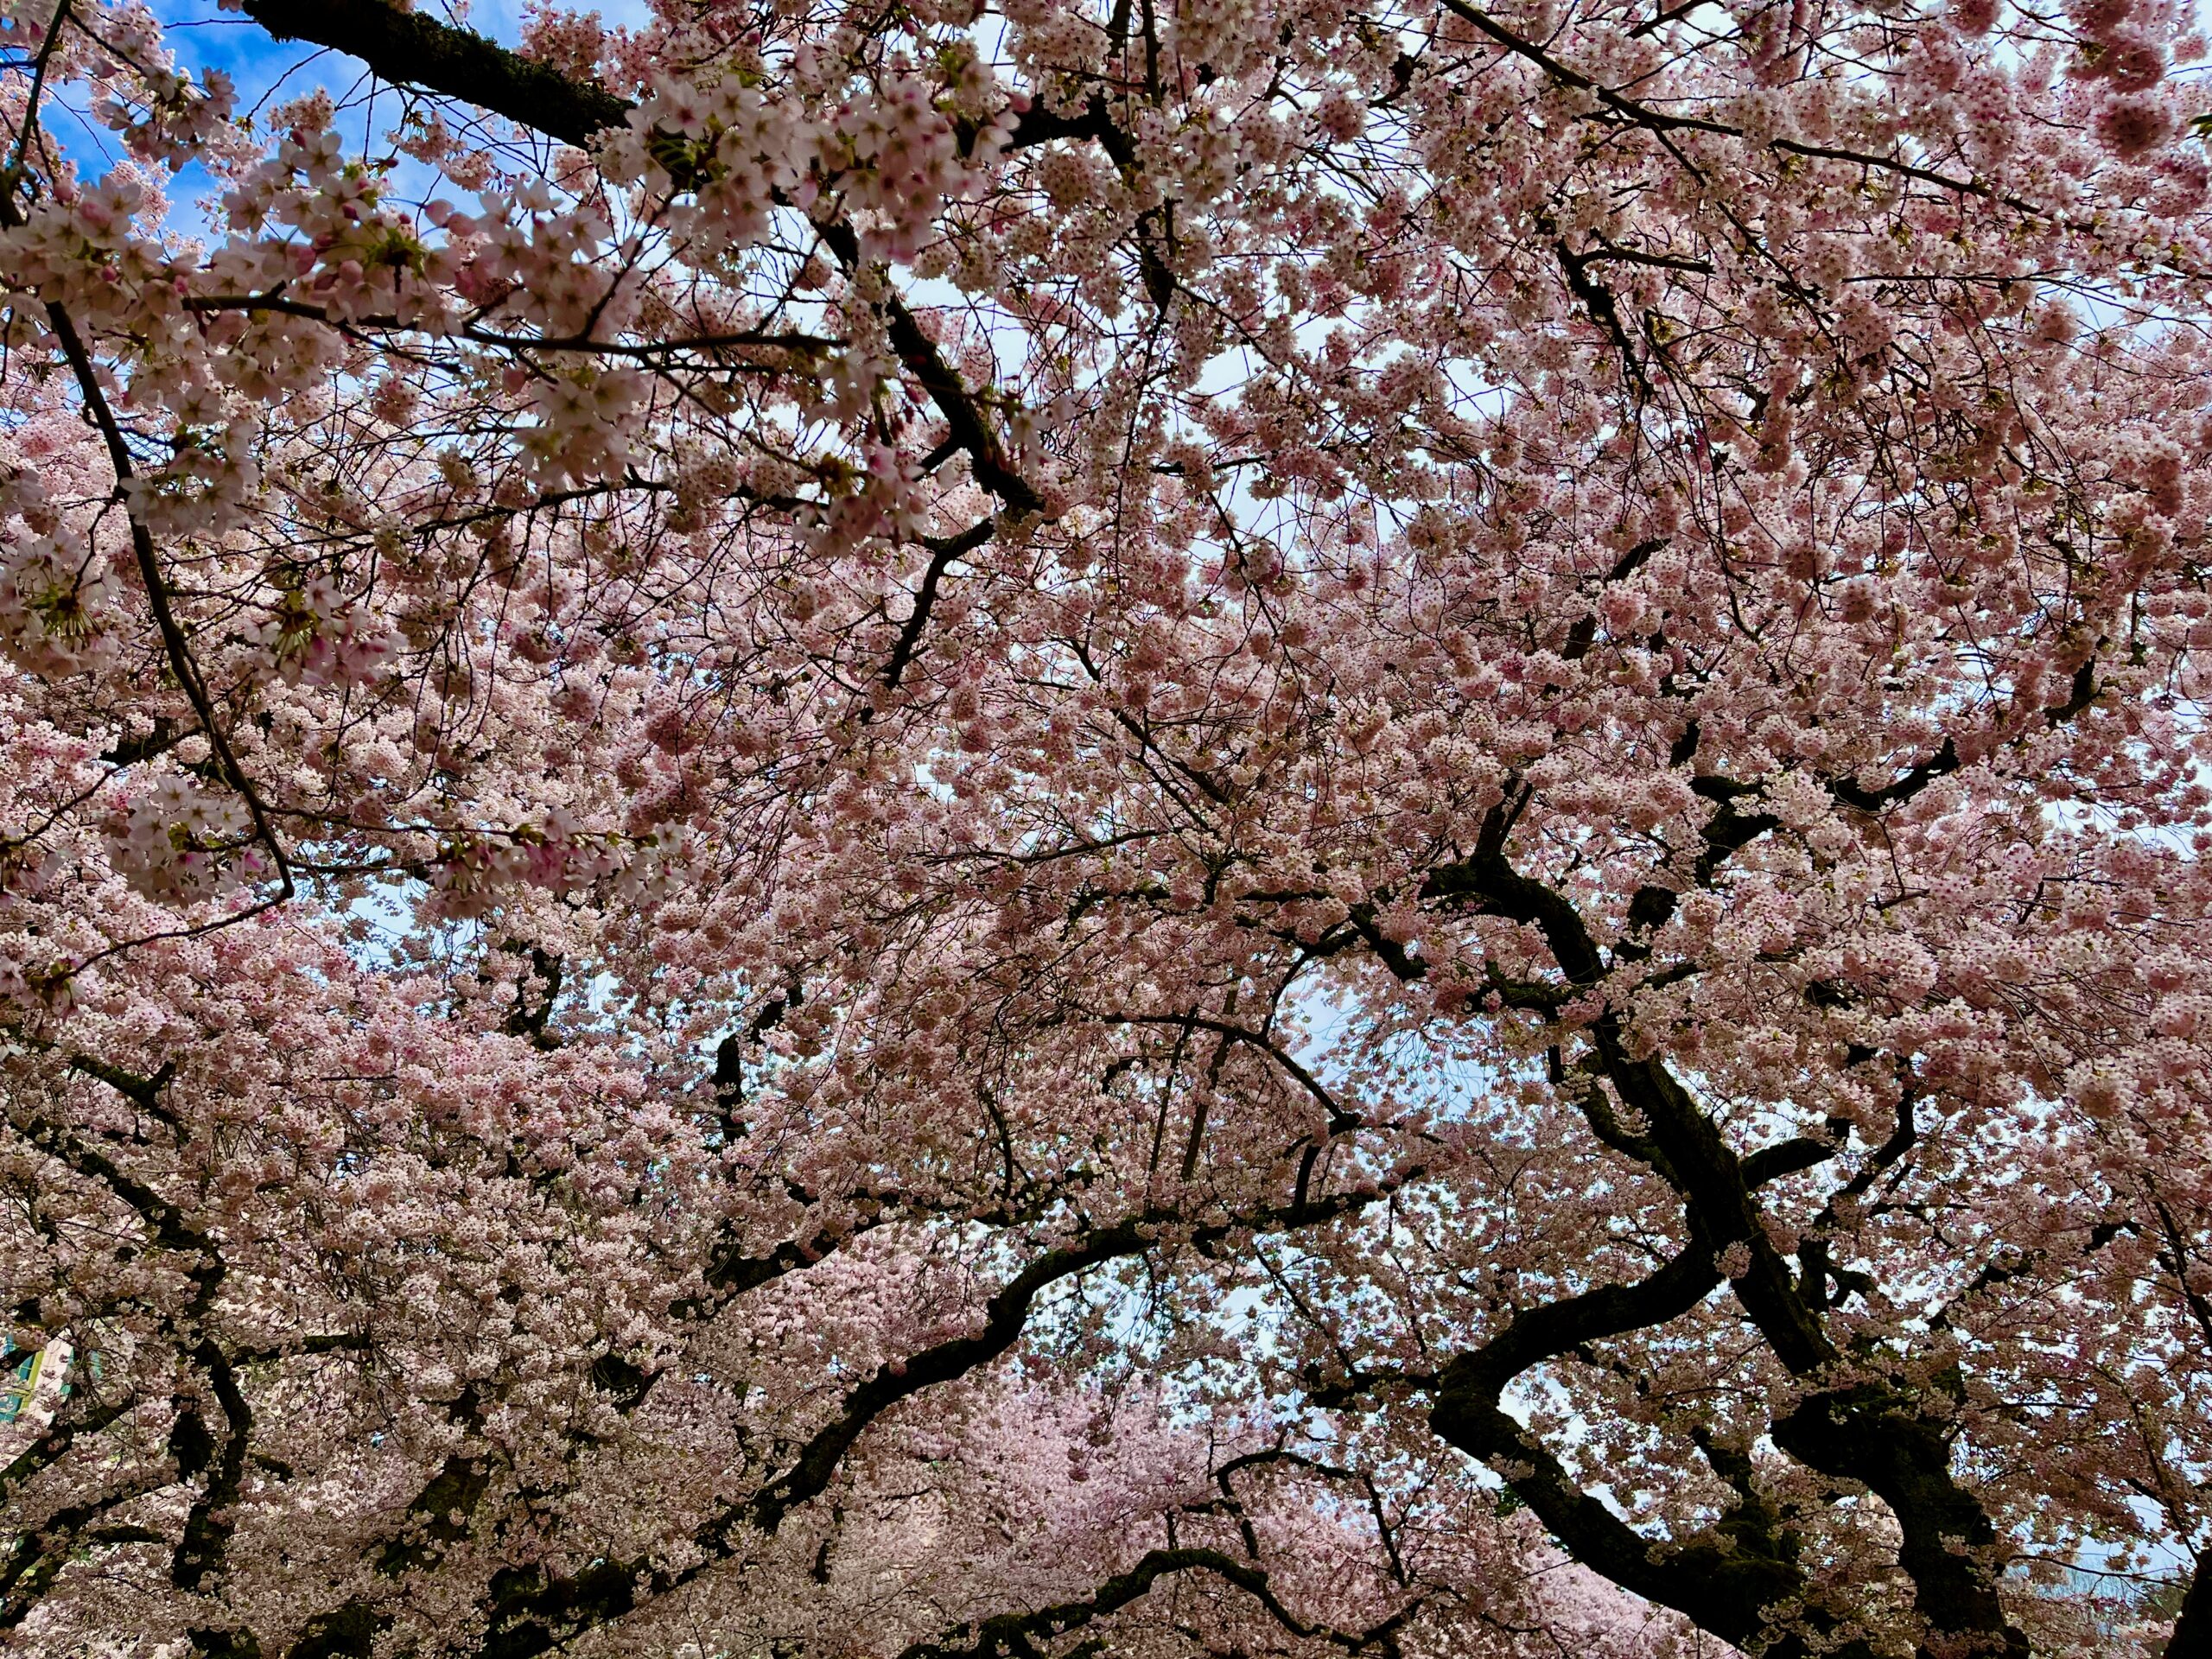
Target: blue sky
{"type": "Point", "coordinates": [204, 37]}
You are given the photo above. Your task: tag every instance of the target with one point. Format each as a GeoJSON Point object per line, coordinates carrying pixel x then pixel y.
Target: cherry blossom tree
{"type": "Point", "coordinates": [1203, 828]}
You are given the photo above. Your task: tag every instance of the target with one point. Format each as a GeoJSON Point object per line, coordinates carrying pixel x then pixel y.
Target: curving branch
{"type": "Point", "coordinates": [1848, 1426]}
{"type": "Point", "coordinates": [1016, 1636]}
{"type": "Point", "coordinates": [411, 48]}
{"type": "Point", "coordinates": [175, 646]}
{"type": "Point", "coordinates": [1722, 1580]}
{"type": "Point", "coordinates": [1629, 112]}
{"type": "Point", "coordinates": [196, 1450]}
{"type": "Point", "coordinates": [414, 48]}
{"type": "Point", "coordinates": [531, 1613]}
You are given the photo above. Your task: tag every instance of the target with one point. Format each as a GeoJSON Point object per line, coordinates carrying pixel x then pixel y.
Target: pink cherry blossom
{"type": "Point", "coordinates": [1049, 828]}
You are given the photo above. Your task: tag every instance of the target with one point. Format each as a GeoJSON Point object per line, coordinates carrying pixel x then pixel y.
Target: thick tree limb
{"type": "Point", "coordinates": [1720, 1581]}
{"type": "Point", "coordinates": [1870, 1431]}
{"type": "Point", "coordinates": [1016, 1636]}
{"type": "Point", "coordinates": [413, 49]}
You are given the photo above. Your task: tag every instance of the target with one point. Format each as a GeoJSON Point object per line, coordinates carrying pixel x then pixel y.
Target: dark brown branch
{"type": "Point", "coordinates": [1016, 1636]}
{"type": "Point", "coordinates": [174, 643]}
{"type": "Point", "coordinates": [943, 554]}
{"type": "Point", "coordinates": [1710, 1579]}
{"type": "Point", "coordinates": [531, 1614]}
{"type": "Point", "coordinates": [414, 48]}
{"type": "Point", "coordinates": [1628, 110]}
{"type": "Point", "coordinates": [145, 1093]}
{"type": "Point", "coordinates": [1941, 764]}
{"type": "Point", "coordinates": [1872, 1431]}
{"type": "Point", "coordinates": [1584, 634]}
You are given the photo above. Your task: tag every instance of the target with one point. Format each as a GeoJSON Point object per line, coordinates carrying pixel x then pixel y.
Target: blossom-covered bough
{"type": "Point", "coordinates": [1185, 827]}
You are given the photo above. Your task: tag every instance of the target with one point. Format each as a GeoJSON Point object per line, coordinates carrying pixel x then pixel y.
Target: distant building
{"type": "Point", "coordinates": [33, 1382]}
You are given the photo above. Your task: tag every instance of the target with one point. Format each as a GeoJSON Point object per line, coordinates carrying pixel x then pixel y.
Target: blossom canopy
{"type": "Point", "coordinates": [1017, 827]}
